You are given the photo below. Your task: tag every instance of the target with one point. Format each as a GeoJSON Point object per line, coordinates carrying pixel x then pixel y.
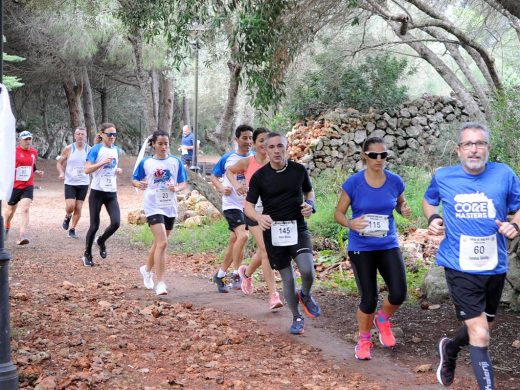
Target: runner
{"type": "Point", "coordinates": [102, 163]}
{"type": "Point", "coordinates": [287, 197]}
{"type": "Point", "coordinates": [476, 196]}
{"type": "Point", "coordinates": [373, 194]}
{"type": "Point", "coordinates": [248, 166]}
{"type": "Point", "coordinates": [186, 148]}
{"type": "Point", "coordinates": [161, 177]}
{"type": "Point", "coordinates": [232, 207]}
{"type": "Point", "coordinates": [23, 187]}
{"type": "Point", "coordinates": [71, 169]}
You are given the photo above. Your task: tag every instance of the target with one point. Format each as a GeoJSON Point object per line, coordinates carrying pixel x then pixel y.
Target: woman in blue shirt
{"type": "Point", "coordinates": [373, 194]}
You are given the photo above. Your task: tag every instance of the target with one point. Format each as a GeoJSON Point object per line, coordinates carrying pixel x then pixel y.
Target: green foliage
{"type": "Point", "coordinates": [416, 181]}
{"type": "Point", "coordinates": [505, 128]}
{"type": "Point", "coordinates": [375, 83]}
{"type": "Point", "coordinates": [11, 82]}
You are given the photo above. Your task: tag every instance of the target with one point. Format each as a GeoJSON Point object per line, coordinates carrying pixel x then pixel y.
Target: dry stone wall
{"type": "Point", "coordinates": [334, 139]}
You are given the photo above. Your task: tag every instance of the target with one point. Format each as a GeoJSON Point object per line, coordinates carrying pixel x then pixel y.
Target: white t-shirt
{"type": "Point", "coordinates": [104, 179]}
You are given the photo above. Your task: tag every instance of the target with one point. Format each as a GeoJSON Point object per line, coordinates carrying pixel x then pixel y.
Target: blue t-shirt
{"type": "Point", "coordinates": [369, 200]}
{"type": "Point", "coordinates": [470, 206]}
{"type": "Point", "coordinates": [187, 140]}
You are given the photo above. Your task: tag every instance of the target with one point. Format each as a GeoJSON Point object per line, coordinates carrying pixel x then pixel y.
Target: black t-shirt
{"type": "Point", "coordinates": [281, 192]}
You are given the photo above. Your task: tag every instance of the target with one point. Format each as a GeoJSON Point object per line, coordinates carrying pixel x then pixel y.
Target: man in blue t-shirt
{"type": "Point", "coordinates": [476, 197]}
{"type": "Point", "coordinates": [186, 148]}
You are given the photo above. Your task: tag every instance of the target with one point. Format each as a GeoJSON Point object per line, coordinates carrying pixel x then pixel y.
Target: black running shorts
{"type": "Point", "coordinates": [159, 218]}
{"type": "Point", "coordinates": [474, 294]}
{"type": "Point", "coordinates": [76, 192]}
{"type": "Point", "coordinates": [234, 218]}
{"type": "Point", "coordinates": [280, 256]}
{"type": "Point", "coordinates": [19, 193]}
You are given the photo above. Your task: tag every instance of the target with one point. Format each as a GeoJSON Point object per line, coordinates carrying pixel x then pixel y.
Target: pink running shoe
{"type": "Point", "coordinates": [386, 337]}
{"type": "Point", "coordinates": [247, 283]}
{"type": "Point", "coordinates": [363, 350]}
{"type": "Point", "coordinates": [275, 302]}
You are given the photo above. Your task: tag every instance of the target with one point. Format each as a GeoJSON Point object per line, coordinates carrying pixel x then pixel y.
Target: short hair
{"type": "Point", "coordinates": [372, 141]}
{"type": "Point", "coordinates": [156, 134]}
{"type": "Point", "coordinates": [80, 128]}
{"type": "Point", "coordinates": [242, 129]}
{"type": "Point", "coordinates": [258, 131]}
{"type": "Point", "coordinates": [474, 125]}
{"type": "Point", "coordinates": [273, 134]}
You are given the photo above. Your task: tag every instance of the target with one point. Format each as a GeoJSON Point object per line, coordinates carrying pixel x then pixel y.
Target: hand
{"type": "Point", "coordinates": [306, 209]}
{"type": "Point", "coordinates": [39, 173]}
{"type": "Point", "coordinates": [107, 160]}
{"type": "Point", "coordinates": [226, 190]}
{"type": "Point", "coordinates": [358, 224]}
{"type": "Point", "coordinates": [143, 185]}
{"type": "Point", "coordinates": [436, 227]}
{"type": "Point", "coordinates": [242, 190]}
{"type": "Point", "coordinates": [264, 221]}
{"type": "Point", "coordinates": [507, 229]}
{"type": "Point", "coordinates": [171, 187]}
{"type": "Point", "coordinates": [405, 210]}
{"type": "Point", "coordinates": [119, 171]}
{"type": "Point", "coordinates": [61, 176]}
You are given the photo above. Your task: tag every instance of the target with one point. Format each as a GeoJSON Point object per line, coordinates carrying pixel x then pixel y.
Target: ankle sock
{"type": "Point", "coordinates": [382, 317]}
{"type": "Point", "coordinates": [482, 367]}
{"type": "Point", "coordinates": [364, 336]}
{"type": "Point", "coordinates": [221, 273]}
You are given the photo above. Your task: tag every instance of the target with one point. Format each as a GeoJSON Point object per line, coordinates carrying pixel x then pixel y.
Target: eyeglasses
{"type": "Point", "coordinates": [469, 145]}
{"type": "Point", "coordinates": [375, 155]}
{"type": "Point", "coordinates": [111, 134]}
{"type": "Point", "coordinates": [27, 139]}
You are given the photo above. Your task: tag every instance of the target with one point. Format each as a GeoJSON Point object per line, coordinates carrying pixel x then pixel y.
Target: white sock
{"type": "Point", "coordinates": [221, 273]}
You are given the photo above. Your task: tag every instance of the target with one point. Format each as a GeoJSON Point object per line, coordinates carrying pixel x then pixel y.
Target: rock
{"type": "Point", "coordinates": [516, 344]}
{"type": "Point", "coordinates": [105, 305]}
{"type": "Point", "coordinates": [435, 306]}
{"type": "Point", "coordinates": [435, 285]}
{"type": "Point", "coordinates": [68, 285]}
{"type": "Point", "coordinates": [197, 220]}
{"type": "Point", "coordinates": [423, 368]}
{"type": "Point", "coordinates": [136, 217]}
{"type": "Point", "coordinates": [48, 383]}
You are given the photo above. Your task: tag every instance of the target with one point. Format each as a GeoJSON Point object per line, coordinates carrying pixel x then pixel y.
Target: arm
{"type": "Point", "coordinates": [435, 221]}
{"type": "Point", "coordinates": [402, 207]}
{"type": "Point", "coordinates": [92, 167]}
{"type": "Point", "coordinates": [344, 202]}
{"type": "Point", "coordinates": [509, 229]}
{"type": "Point", "coordinates": [264, 221]}
{"type": "Point", "coordinates": [60, 165]}
{"type": "Point", "coordinates": [308, 205]}
{"type": "Point", "coordinates": [231, 173]}
{"type": "Point", "coordinates": [219, 186]}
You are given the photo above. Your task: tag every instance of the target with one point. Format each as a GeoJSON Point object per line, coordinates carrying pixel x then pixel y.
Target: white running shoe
{"type": "Point", "coordinates": [147, 277]}
{"type": "Point", "coordinates": [161, 289]}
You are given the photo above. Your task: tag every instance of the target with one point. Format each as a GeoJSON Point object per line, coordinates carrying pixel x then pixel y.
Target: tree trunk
{"type": "Point", "coordinates": [186, 114]}
{"type": "Point", "coordinates": [166, 103]}
{"type": "Point", "coordinates": [206, 189]}
{"type": "Point", "coordinates": [512, 6]}
{"type": "Point", "coordinates": [220, 139]}
{"type": "Point", "coordinates": [155, 94]}
{"type": "Point", "coordinates": [73, 93]}
{"type": "Point", "coordinates": [136, 39]}
{"type": "Point", "coordinates": [88, 107]}
{"type": "Point", "coordinates": [103, 96]}
{"type": "Point", "coordinates": [50, 138]}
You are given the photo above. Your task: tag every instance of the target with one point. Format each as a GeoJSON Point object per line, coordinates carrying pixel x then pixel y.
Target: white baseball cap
{"type": "Point", "coordinates": [25, 134]}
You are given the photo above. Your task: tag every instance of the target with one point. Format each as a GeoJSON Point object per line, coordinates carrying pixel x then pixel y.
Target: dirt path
{"type": "Point", "coordinates": [81, 328]}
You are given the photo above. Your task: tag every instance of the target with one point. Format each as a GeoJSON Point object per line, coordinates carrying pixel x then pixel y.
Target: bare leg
{"type": "Point", "coordinates": [365, 321]}
{"type": "Point", "coordinates": [228, 254]}
{"type": "Point", "coordinates": [78, 204]}
{"type": "Point", "coordinates": [388, 309]}
{"type": "Point", "coordinates": [69, 206]}
{"type": "Point", "coordinates": [9, 214]}
{"type": "Point", "coordinates": [238, 247]}
{"type": "Point", "coordinates": [25, 204]}
{"type": "Point", "coordinates": [160, 243]}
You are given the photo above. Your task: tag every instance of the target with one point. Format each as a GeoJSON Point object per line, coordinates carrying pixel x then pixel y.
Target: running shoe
{"type": "Point", "coordinates": [298, 325]}
{"type": "Point", "coordinates": [236, 282]}
{"type": "Point", "coordinates": [363, 350]}
{"type": "Point", "coordinates": [247, 283]}
{"type": "Point", "coordinates": [147, 277]}
{"type": "Point", "coordinates": [102, 248]}
{"type": "Point", "coordinates": [275, 302]}
{"type": "Point", "coordinates": [72, 234]}
{"type": "Point", "coordinates": [161, 289]}
{"type": "Point", "coordinates": [310, 307]}
{"type": "Point", "coordinates": [87, 260]}
{"type": "Point", "coordinates": [66, 222]}
{"type": "Point", "coordinates": [447, 364]}
{"type": "Point", "coordinates": [386, 337]}
{"type": "Point", "coordinates": [23, 241]}
{"type": "Point", "coordinates": [221, 283]}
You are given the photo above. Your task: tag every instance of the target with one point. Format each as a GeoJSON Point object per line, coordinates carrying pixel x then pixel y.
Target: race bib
{"type": "Point", "coordinates": [377, 225]}
{"type": "Point", "coordinates": [284, 233]}
{"type": "Point", "coordinates": [108, 183]}
{"type": "Point", "coordinates": [23, 173]}
{"type": "Point", "coordinates": [478, 253]}
{"type": "Point", "coordinates": [184, 150]}
{"type": "Point", "coordinates": [164, 197]}
{"type": "Point", "coordinates": [78, 172]}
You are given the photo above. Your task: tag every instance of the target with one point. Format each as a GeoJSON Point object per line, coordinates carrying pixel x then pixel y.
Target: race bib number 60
{"type": "Point", "coordinates": [284, 233]}
{"type": "Point", "coordinates": [478, 253]}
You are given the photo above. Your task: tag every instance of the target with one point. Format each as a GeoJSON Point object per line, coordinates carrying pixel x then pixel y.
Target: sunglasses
{"type": "Point", "coordinates": [375, 155]}
{"type": "Point", "coordinates": [111, 134]}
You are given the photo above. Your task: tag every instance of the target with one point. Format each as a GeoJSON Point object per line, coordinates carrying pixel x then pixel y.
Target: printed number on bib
{"type": "Point", "coordinates": [164, 197]}
{"type": "Point", "coordinates": [478, 253]}
{"type": "Point", "coordinates": [108, 183]}
{"type": "Point", "coordinates": [377, 225]}
{"type": "Point", "coordinates": [23, 173]}
{"type": "Point", "coordinates": [284, 233]}
{"type": "Point", "coordinates": [79, 172]}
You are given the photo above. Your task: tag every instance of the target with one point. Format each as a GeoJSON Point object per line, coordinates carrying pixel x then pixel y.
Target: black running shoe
{"type": "Point", "coordinates": [66, 222]}
{"type": "Point", "coordinates": [72, 234]}
{"type": "Point", "coordinates": [446, 369]}
{"type": "Point", "coordinates": [221, 283]}
{"type": "Point", "coordinates": [87, 260]}
{"type": "Point", "coordinates": [102, 248]}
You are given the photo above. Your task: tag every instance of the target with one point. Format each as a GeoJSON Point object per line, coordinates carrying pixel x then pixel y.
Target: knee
{"type": "Point", "coordinates": [368, 304]}
{"type": "Point", "coordinates": [241, 236]}
{"type": "Point", "coordinates": [115, 225]}
{"type": "Point", "coordinates": [478, 335]}
{"type": "Point", "coordinates": [77, 210]}
{"type": "Point", "coordinates": [397, 298]}
{"type": "Point", "coordinates": [161, 244]}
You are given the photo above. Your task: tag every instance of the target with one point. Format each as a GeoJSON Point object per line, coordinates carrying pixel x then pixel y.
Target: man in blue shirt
{"type": "Point", "coordinates": [476, 197]}
{"type": "Point", "coordinates": [186, 148]}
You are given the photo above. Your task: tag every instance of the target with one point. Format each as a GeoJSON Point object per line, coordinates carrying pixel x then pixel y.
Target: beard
{"type": "Point", "coordinates": [476, 165]}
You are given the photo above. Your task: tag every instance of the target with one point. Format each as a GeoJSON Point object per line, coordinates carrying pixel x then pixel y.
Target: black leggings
{"type": "Point", "coordinates": [390, 264]}
{"type": "Point", "coordinates": [95, 201]}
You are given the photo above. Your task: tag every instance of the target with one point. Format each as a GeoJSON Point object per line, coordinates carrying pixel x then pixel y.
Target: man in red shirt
{"type": "Point", "coordinates": [23, 187]}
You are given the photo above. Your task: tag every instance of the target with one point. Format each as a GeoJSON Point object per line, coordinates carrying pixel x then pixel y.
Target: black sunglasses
{"type": "Point", "coordinates": [375, 155]}
{"type": "Point", "coordinates": [111, 134]}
